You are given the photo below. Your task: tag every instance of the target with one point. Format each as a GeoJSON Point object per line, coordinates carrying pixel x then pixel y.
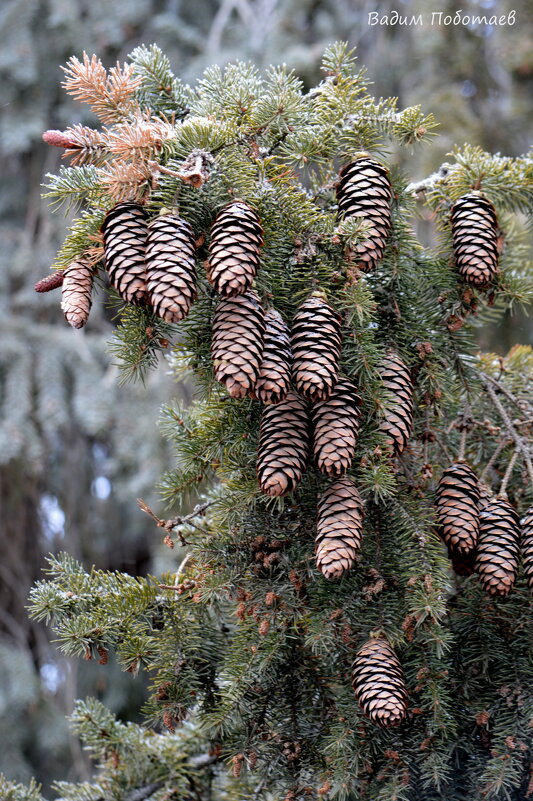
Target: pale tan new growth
{"type": "Point", "coordinates": [111, 96]}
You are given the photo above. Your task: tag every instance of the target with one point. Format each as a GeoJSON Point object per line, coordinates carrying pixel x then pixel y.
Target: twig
{"type": "Point", "coordinates": [508, 472]}
{"type": "Point", "coordinates": [141, 793]}
{"type": "Point", "coordinates": [464, 426]}
{"type": "Point", "coordinates": [429, 182]}
{"type": "Point", "coordinates": [501, 445]}
{"type": "Point", "coordinates": [508, 393]}
{"type": "Point", "coordinates": [172, 525]}
{"type": "Point", "coordinates": [520, 444]}
{"type": "Point", "coordinates": [203, 760]}
{"type": "Point", "coordinates": [443, 448]}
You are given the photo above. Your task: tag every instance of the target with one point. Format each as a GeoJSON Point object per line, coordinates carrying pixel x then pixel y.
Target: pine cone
{"type": "Point", "coordinates": [237, 343]}
{"type": "Point", "coordinates": [364, 190]}
{"type": "Point", "coordinates": [457, 507]}
{"type": "Point", "coordinates": [475, 239]}
{"type": "Point", "coordinates": [76, 292]}
{"type": "Point", "coordinates": [316, 348]}
{"type": "Point", "coordinates": [125, 231]}
{"type": "Point", "coordinates": [527, 546]}
{"type": "Point", "coordinates": [335, 425]}
{"type": "Point", "coordinates": [498, 547]}
{"type": "Point", "coordinates": [378, 682]}
{"type": "Point", "coordinates": [339, 528]}
{"type": "Point", "coordinates": [275, 372]}
{"type": "Point", "coordinates": [170, 267]}
{"type": "Point", "coordinates": [398, 401]}
{"type": "Point", "coordinates": [283, 445]}
{"type": "Point", "coordinates": [236, 237]}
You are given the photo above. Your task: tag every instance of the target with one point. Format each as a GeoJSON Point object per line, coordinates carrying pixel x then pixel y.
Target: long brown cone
{"type": "Point", "coordinates": [275, 372]}
{"type": "Point", "coordinates": [237, 343]}
{"type": "Point", "coordinates": [339, 528]}
{"type": "Point", "coordinates": [125, 232]}
{"type": "Point", "coordinates": [379, 684]}
{"type": "Point", "coordinates": [335, 425]}
{"type": "Point", "coordinates": [283, 445]}
{"type": "Point", "coordinates": [397, 420]}
{"type": "Point", "coordinates": [170, 267]}
{"type": "Point", "coordinates": [475, 239]}
{"type": "Point", "coordinates": [76, 292]}
{"type": "Point", "coordinates": [236, 239]}
{"type": "Point", "coordinates": [498, 547]}
{"type": "Point", "coordinates": [316, 348]}
{"type": "Point", "coordinates": [365, 191]}
{"type": "Point", "coordinates": [458, 507]}
{"type": "Point", "coordinates": [527, 546]}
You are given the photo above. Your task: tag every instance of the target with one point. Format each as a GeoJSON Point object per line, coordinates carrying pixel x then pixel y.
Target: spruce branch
{"type": "Point", "coordinates": [520, 443]}
{"type": "Point", "coordinates": [111, 96]}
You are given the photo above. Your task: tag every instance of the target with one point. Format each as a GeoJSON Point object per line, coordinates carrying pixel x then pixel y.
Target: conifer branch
{"type": "Point", "coordinates": [521, 445]}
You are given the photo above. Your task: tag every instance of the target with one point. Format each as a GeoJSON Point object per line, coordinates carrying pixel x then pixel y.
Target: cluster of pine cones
{"type": "Point", "coordinates": [309, 408]}
{"type": "Point", "coordinates": [484, 530]}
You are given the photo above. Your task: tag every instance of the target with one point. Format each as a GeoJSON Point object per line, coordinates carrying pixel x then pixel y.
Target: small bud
{"type": "Point", "coordinates": [59, 139]}
{"type": "Point", "coordinates": [49, 282]}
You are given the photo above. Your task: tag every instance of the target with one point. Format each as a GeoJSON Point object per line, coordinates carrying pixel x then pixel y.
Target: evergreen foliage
{"type": "Point", "coordinates": [248, 646]}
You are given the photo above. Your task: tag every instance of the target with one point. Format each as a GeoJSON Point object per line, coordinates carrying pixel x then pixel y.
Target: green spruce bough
{"type": "Point", "coordinates": [253, 645]}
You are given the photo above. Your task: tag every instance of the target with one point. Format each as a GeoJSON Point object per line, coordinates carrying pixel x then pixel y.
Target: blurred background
{"type": "Point", "coordinates": [76, 450]}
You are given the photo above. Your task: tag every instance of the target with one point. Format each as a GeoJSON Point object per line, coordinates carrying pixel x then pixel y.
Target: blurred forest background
{"type": "Point", "coordinates": [76, 450]}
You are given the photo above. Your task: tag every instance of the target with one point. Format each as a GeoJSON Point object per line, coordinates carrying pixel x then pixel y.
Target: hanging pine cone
{"type": "Point", "coordinates": [339, 528]}
{"type": "Point", "coordinates": [457, 507]}
{"type": "Point", "coordinates": [283, 445]}
{"type": "Point", "coordinates": [316, 349]}
{"type": "Point", "coordinates": [398, 401]}
{"type": "Point", "coordinates": [170, 267]}
{"type": "Point", "coordinates": [335, 425]}
{"type": "Point", "coordinates": [527, 546]}
{"type": "Point", "coordinates": [475, 239]}
{"type": "Point", "coordinates": [76, 292]}
{"type": "Point", "coordinates": [498, 547]}
{"type": "Point", "coordinates": [379, 684]}
{"type": "Point", "coordinates": [124, 231]}
{"type": "Point", "coordinates": [237, 343]}
{"type": "Point", "coordinates": [236, 238]}
{"type": "Point", "coordinates": [275, 372]}
{"type": "Point", "coordinates": [365, 191]}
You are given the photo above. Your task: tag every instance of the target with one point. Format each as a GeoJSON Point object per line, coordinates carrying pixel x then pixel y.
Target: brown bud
{"type": "Point", "coordinates": [264, 627]}
{"type": "Point", "coordinates": [103, 654]}
{"type": "Point", "coordinates": [237, 761]}
{"type": "Point", "coordinates": [49, 282]}
{"type": "Point", "coordinates": [168, 720]}
{"type": "Point", "coordinates": [59, 139]}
